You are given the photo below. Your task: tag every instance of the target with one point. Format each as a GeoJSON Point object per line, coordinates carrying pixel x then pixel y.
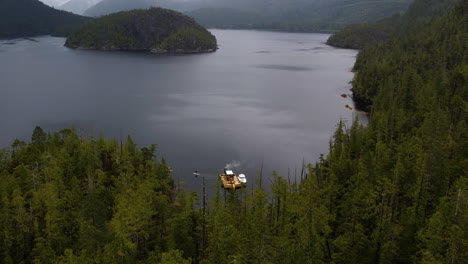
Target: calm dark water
{"type": "Point", "coordinates": [263, 96]}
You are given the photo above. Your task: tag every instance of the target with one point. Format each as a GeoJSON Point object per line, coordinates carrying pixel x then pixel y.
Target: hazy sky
{"type": "Point", "coordinates": [54, 2]}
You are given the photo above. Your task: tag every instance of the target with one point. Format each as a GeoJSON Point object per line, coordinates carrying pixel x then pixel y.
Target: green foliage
{"type": "Point", "coordinates": [290, 15]}
{"type": "Point", "coordinates": [38, 136]}
{"type": "Point", "coordinates": [335, 15]}
{"type": "Point", "coordinates": [155, 29]}
{"type": "Point", "coordinates": [444, 237]}
{"type": "Point", "coordinates": [174, 257]}
{"type": "Point", "coordinates": [392, 192]}
{"type": "Point", "coordinates": [405, 179]}
{"type": "Point", "coordinates": [189, 39]}
{"type": "Point", "coordinates": [403, 65]}
{"type": "Point", "coordinates": [395, 191]}
{"type": "Point", "coordinates": [297, 16]}
{"type": "Point", "coordinates": [69, 199]}
{"type": "Point", "coordinates": [358, 36]}
{"type": "Point", "coordinates": [19, 18]}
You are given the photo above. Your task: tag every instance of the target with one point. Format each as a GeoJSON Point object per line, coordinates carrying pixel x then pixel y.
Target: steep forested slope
{"type": "Point", "coordinates": [154, 29]}
{"type": "Point", "coordinates": [63, 194]}
{"type": "Point", "coordinates": [412, 158]}
{"type": "Point", "coordinates": [298, 15]}
{"type": "Point", "coordinates": [30, 17]}
{"type": "Point", "coordinates": [228, 18]}
{"type": "Point", "coordinates": [358, 36]}
{"type": "Point", "coordinates": [338, 14]}
{"type": "Point", "coordinates": [295, 15]}
{"type": "Point", "coordinates": [395, 191]}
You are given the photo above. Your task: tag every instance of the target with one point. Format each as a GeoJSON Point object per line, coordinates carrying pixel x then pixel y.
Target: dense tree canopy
{"type": "Point", "coordinates": [395, 191]}
{"type": "Point", "coordinates": [358, 36]}
{"type": "Point", "coordinates": [155, 29]}
{"type": "Point", "coordinates": [290, 15]}
{"type": "Point", "coordinates": [298, 16]}
{"type": "Point", "coordinates": [19, 18]}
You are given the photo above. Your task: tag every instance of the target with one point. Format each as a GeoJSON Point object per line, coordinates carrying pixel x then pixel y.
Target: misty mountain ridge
{"type": "Point", "coordinates": [54, 3]}
{"type": "Point", "coordinates": [106, 7]}
{"type": "Point", "coordinates": [78, 6]}
{"type": "Point", "coordinates": [292, 15]}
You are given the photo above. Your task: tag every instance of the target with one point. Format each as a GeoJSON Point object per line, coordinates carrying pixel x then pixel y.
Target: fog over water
{"type": "Point", "coordinates": [263, 96]}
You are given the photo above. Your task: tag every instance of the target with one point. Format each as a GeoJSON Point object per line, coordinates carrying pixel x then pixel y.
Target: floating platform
{"type": "Point", "coordinates": [230, 180]}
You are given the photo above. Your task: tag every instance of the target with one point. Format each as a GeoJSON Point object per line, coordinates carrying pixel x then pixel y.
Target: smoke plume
{"type": "Point", "coordinates": [234, 164]}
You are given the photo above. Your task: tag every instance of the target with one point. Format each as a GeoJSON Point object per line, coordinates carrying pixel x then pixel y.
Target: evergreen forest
{"type": "Point", "coordinates": [290, 15]}
{"type": "Point", "coordinates": [19, 18]}
{"type": "Point", "coordinates": [361, 35]}
{"type": "Point", "coordinates": [394, 191]}
{"type": "Point", "coordinates": [152, 29]}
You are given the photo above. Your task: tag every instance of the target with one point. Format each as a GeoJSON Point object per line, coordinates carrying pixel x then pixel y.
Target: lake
{"type": "Point", "coordinates": [263, 96]}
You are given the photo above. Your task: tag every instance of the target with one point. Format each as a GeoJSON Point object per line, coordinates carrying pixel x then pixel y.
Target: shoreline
{"type": "Point", "coordinates": [153, 50]}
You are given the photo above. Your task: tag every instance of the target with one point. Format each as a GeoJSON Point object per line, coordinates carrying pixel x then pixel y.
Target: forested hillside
{"type": "Point", "coordinates": [154, 29]}
{"type": "Point", "coordinates": [227, 18]}
{"type": "Point", "coordinates": [63, 194]}
{"type": "Point", "coordinates": [358, 36]}
{"type": "Point", "coordinates": [106, 7]}
{"type": "Point", "coordinates": [297, 16]}
{"type": "Point", "coordinates": [293, 15]}
{"type": "Point", "coordinates": [335, 15]}
{"type": "Point", "coordinates": [19, 18]}
{"type": "Point", "coordinates": [395, 191]}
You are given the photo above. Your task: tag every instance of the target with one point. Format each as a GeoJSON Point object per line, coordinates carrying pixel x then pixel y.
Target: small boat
{"type": "Point", "coordinates": [231, 181]}
{"type": "Point", "coordinates": [242, 178]}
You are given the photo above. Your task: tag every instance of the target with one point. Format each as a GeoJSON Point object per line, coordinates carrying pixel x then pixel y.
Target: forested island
{"type": "Point", "coordinates": [155, 29]}
{"type": "Point", "coordinates": [395, 191]}
{"type": "Point", "coordinates": [26, 18]}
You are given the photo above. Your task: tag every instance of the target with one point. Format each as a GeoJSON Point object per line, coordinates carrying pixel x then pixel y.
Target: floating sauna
{"type": "Point", "coordinates": [231, 181]}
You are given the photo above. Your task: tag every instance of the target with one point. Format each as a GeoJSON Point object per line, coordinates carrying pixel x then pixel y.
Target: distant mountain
{"type": "Point", "coordinates": [106, 7]}
{"type": "Point", "coordinates": [334, 15]}
{"type": "Point", "coordinates": [228, 17]}
{"type": "Point", "coordinates": [292, 15]}
{"type": "Point", "coordinates": [78, 6]}
{"type": "Point", "coordinates": [300, 16]}
{"type": "Point", "coordinates": [358, 36]}
{"type": "Point", "coordinates": [156, 30]}
{"type": "Point", "coordinates": [352, 11]}
{"type": "Point", "coordinates": [20, 18]}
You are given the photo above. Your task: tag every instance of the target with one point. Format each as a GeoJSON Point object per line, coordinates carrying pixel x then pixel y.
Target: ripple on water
{"type": "Point", "coordinates": [310, 49]}
{"type": "Point", "coordinates": [283, 67]}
